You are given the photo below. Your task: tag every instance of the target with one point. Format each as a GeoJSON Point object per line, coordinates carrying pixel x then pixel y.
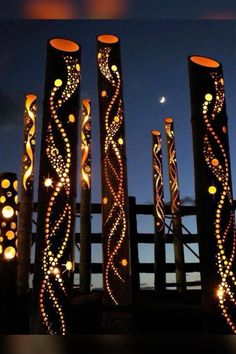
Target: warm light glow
{"type": "Point", "coordinates": [64, 45]}
{"type": "Point", "coordinates": [169, 120]}
{"type": "Point", "coordinates": [103, 93]}
{"type": "Point", "coordinates": [212, 190]}
{"type": "Point", "coordinates": [204, 61]}
{"type": "Point", "coordinates": [56, 271]}
{"type": "Point", "coordinates": [69, 265]}
{"type": "Point", "coordinates": [108, 39]}
{"type": "Point", "coordinates": [48, 182]}
{"type": "Point", "coordinates": [72, 118]}
{"type": "Point", "coordinates": [124, 262]}
{"type": "Point", "coordinates": [2, 199]}
{"type": "Point", "coordinates": [7, 212]}
{"type": "Point", "coordinates": [114, 68]}
{"type": "Point", "coordinates": [9, 252]}
{"type": "Point", "coordinates": [209, 97]}
{"type": "Point", "coordinates": [15, 185]}
{"type": "Point", "coordinates": [5, 183]}
{"type": "Point", "coordinates": [220, 293]}
{"type": "Point", "coordinates": [104, 201]}
{"type": "Point", "coordinates": [58, 82]}
{"type": "Point", "coordinates": [10, 235]}
{"type": "Point", "coordinates": [156, 132]}
{"type": "Point", "coordinates": [120, 141]}
{"type": "Point", "coordinates": [215, 162]}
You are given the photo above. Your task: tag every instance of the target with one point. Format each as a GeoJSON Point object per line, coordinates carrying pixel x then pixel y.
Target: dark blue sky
{"type": "Point", "coordinates": [154, 62]}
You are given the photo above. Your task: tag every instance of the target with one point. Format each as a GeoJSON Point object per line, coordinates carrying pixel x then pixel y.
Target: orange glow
{"type": "Point", "coordinates": [50, 9]}
{"type": "Point", "coordinates": [215, 162]}
{"type": "Point", "coordinates": [156, 132]}
{"type": "Point", "coordinates": [105, 200]}
{"type": "Point", "coordinates": [124, 262]}
{"type": "Point", "coordinates": [64, 45]}
{"type": "Point", "coordinates": [5, 183]}
{"type": "Point", "coordinates": [169, 120]}
{"type": "Point", "coordinates": [108, 38]}
{"type": "Point", "coordinates": [204, 61]}
{"type": "Point", "coordinates": [106, 9]}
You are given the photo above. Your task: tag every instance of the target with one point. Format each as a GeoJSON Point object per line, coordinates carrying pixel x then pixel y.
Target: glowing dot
{"type": "Point", "coordinates": [5, 183]}
{"type": "Point", "coordinates": [212, 190]}
{"type": "Point", "coordinates": [116, 119]}
{"type": "Point", "coordinates": [56, 271]}
{"type": "Point", "coordinates": [77, 67]}
{"type": "Point", "coordinates": [58, 82]}
{"type": "Point", "coordinates": [99, 55]}
{"type": "Point", "coordinates": [215, 162]}
{"type": "Point", "coordinates": [0, 249]}
{"type": "Point", "coordinates": [104, 200]}
{"type": "Point", "coordinates": [16, 199]}
{"type": "Point", "coordinates": [69, 265]}
{"type": "Point", "coordinates": [224, 129]}
{"type": "Point", "coordinates": [220, 293]}
{"type": "Point", "coordinates": [7, 212]}
{"type": "Point", "coordinates": [208, 97]}
{"type": "Point", "coordinates": [10, 235]}
{"type": "Point", "coordinates": [48, 182]}
{"type": "Point", "coordinates": [104, 93]}
{"type": "Point", "coordinates": [124, 262]}
{"type": "Point", "coordinates": [72, 118]}
{"type": "Point", "coordinates": [2, 199]}
{"type": "Point", "coordinates": [162, 99]}
{"type": "Point", "coordinates": [9, 253]}
{"type": "Point", "coordinates": [120, 141]}
{"type": "Point", "coordinates": [114, 68]}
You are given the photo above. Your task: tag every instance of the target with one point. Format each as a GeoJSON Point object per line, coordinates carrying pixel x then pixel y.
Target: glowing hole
{"type": "Point", "coordinates": [212, 190]}
{"type": "Point", "coordinates": [215, 162]}
{"type": "Point", "coordinates": [208, 97]}
{"type": "Point", "coordinates": [120, 141]}
{"type": "Point", "coordinates": [48, 182]}
{"type": "Point", "coordinates": [58, 82]}
{"type": "Point", "coordinates": [124, 262]}
{"type": "Point", "coordinates": [105, 200]}
{"type": "Point", "coordinates": [114, 68]}
{"type": "Point", "coordinates": [72, 118]}
{"type": "Point", "coordinates": [69, 265]}
{"type": "Point", "coordinates": [9, 253]}
{"type": "Point", "coordinates": [7, 212]}
{"type": "Point", "coordinates": [103, 93]}
{"type": "Point", "coordinates": [10, 235]}
{"type": "Point", "coordinates": [5, 183]}
{"type": "Point", "coordinates": [2, 199]}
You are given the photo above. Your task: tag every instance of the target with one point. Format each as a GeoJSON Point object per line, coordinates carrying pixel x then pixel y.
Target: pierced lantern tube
{"type": "Point", "coordinates": [214, 201]}
{"type": "Point", "coordinates": [8, 232]}
{"type": "Point", "coordinates": [85, 199]}
{"type": "Point", "coordinates": [159, 213]}
{"type": "Point", "coordinates": [116, 246]}
{"type": "Point", "coordinates": [26, 200]}
{"type": "Point", "coordinates": [53, 278]}
{"type": "Point", "coordinates": [175, 206]}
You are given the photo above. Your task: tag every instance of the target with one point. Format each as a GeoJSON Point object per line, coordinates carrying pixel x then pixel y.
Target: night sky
{"type": "Point", "coordinates": [154, 63]}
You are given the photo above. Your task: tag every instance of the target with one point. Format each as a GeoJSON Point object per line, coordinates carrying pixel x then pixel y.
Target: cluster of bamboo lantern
{"type": "Point", "coordinates": [54, 260]}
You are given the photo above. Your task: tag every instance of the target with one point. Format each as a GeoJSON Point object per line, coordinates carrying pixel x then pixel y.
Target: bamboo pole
{"type": "Point", "coordinates": [85, 199]}
{"type": "Point", "coordinates": [159, 215]}
{"type": "Point", "coordinates": [26, 201]}
{"type": "Point", "coordinates": [115, 220]}
{"type": "Point", "coordinates": [175, 207]}
{"type": "Point", "coordinates": [54, 258]}
{"type": "Point", "coordinates": [213, 187]}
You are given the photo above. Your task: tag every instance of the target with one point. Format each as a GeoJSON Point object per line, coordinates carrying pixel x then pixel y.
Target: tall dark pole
{"type": "Point", "coordinates": [175, 206]}
{"type": "Point", "coordinates": [26, 196]}
{"type": "Point", "coordinates": [53, 277]}
{"type": "Point", "coordinates": [85, 199]}
{"type": "Point", "coordinates": [159, 216]}
{"type": "Point", "coordinates": [214, 201]}
{"type": "Point", "coordinates": [8, 234]}
{"type": "Point", "coordinates": [116, 244]}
